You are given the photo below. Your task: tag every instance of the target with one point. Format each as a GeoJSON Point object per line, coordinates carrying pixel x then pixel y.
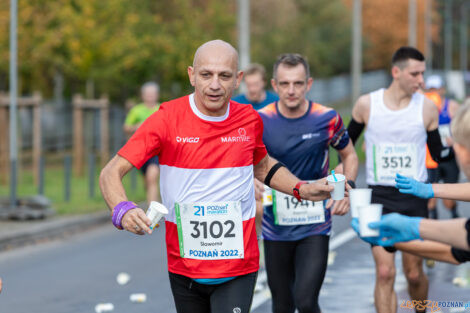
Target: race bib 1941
{"type": "Point", "coordinates": [289, 211]}
{"type": "Point", "coordinates": [210, 230]}
{"type": "Point", "coordinates": [390, 159]}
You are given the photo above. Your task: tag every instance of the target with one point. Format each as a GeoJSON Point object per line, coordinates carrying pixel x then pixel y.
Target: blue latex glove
{"type": "Point", "coordinates": [413, 187]}
{"type": "Point", "coordinates": [371, 240]}
{"type": "Point", "coordinates": [395, 228]}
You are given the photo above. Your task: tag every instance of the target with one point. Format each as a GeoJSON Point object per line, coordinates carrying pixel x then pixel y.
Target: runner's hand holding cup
{"type": "Point", "coordinates": [340, 207]}
{"type": "Point", "coordinates": [339, 202]}
{"type": "Point", "coordinates": [316, 191]}
{"type": "Point", "coordinates": [135, 221]}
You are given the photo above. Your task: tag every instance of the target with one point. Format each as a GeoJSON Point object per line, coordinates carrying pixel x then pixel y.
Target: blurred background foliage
{"type": "Point", "coordinates": [116, 45]}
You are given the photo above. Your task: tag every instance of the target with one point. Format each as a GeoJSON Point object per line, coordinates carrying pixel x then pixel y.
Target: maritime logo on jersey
{"type": "Point", "coordinates": [242, 137]}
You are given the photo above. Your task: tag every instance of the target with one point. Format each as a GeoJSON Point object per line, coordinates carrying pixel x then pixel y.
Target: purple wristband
{"type": "Point", "coordinates": [120, 210]}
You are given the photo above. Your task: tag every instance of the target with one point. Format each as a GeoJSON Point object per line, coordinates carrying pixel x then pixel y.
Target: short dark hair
{"type": "Point", "coordinates": [291, 60]}
{"type": "Point", "coordinates": [403, 54]}
{"type": "Point", "coordinates": [255, 68]}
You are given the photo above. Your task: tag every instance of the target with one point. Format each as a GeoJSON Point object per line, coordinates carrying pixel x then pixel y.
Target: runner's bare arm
{"type": "Point", "coordinates": [453, 108]}
{"type": "Point", "coordinates": [113, 193]}
{"type": "Point", "coordinates": [259, 189]}
{"type": "Point", "coordinates": [452, 191]}
{"type": "Point", "coordinates": [428, 249]}
{"type": "Point", "coordinates": [111, 181]}
{"type": "Point", "coordinates": [350, 161]}
{"type": "Point", "coordinates": [284, 181]}
{"type": "Point", "coordinates": [360, 114]}
{"type": "Point", "coordinates": [349, 168]}
{"type": "Point", "coordinates": [451, 232]}
{"type": "Point", "coordinates": [361, 109]}
{"type": "Point", "coordinates": [430, 115]}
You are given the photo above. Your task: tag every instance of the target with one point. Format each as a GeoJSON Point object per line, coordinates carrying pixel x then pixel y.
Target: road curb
{"type": "Point", "coordinates": [33, 232]}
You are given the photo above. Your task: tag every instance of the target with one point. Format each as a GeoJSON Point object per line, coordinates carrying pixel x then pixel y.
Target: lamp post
{"type": "Point", "coordinates": [356, 55]}
{"type": "Point", "coordinates": [13, 100]}
{"type": "Point", "coordinates": [412, 23]}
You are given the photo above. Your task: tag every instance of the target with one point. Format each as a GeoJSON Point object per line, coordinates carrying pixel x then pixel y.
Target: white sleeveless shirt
{"type": "Point", "coordinates": [395, 141]}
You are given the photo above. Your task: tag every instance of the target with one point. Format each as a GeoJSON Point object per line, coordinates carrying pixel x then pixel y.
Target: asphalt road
{"type": "Point", "coordinates": [77, 273]}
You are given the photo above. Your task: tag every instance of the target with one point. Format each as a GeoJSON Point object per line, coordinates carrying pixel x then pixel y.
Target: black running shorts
{"type": "Point", "coordinates": [394, 201]}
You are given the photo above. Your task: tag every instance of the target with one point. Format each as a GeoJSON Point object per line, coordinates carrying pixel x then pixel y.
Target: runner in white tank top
{"type": "Point", "coordinates": [395, 141]}
{"type": "Point", "coordinates": [398, 121]}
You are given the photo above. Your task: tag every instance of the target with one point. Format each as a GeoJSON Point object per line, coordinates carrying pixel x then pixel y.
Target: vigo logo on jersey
{"type": "Point", "coordinates": [187, 139]}
{"type": "Point", "coordinates": [242, 137]}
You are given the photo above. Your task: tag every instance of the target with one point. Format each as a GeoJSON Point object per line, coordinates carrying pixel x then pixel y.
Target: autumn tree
{"type": "Point", "coordinates": [317, 29]}
{"type": "Point", "coordinates": [117, 44]}
{"type": "Point", "coordinates": [385, 29]}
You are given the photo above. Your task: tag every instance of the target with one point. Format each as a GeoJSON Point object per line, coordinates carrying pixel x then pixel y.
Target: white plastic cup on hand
{"type": "Point", "coordinates": [155, 213]}
{"type": "Point", "coordinates": [338, 184]}
{"type": "Point", "coordinates": [368, 214]}
{"type": "Point", "coordinates": [359, 197]}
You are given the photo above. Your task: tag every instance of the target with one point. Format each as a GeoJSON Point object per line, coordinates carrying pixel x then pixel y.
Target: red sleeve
{"type": "Point", "coordinates": [260, 149]}
{"type": "Point", "coordinates": [147, 141]}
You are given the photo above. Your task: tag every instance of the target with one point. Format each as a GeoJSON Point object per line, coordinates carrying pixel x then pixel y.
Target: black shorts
{"type": "Point", "coordinates": [448, 172]}
{"type": "Point", "coordinates": [235, 295]}
{"type": "Point", "coordinates": [433, 175]}
{"type": "Point", "coordinates": [152, 160]}
{"type": "Point", "coordinates": [394, 201]}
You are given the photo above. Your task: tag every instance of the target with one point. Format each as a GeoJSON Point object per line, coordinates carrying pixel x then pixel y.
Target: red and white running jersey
{"type": "Point", "coordinates": [203, 159]}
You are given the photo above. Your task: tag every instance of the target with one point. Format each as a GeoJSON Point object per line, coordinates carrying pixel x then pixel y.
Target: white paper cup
{"type": "Point", "coordinates": [267, 196]}
{"type": "Point", "coordinates": [368, 214]}
{"type": "Point", "coordinates": [338, 192]}
{"type": "Point", "coordinates": [359, 197]}
{"type": "Point", "coordinates": [155, 213]}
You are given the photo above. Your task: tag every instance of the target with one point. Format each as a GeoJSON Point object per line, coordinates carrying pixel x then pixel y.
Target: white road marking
{"type": "Point", "coordinates": [264, 294]}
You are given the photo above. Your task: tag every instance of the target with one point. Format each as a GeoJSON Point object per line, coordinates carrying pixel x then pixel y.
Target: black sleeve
{"type": "Point", "coordinates": [460, 255]}
{"type": "Point", "coordinates": [438, 152]}
{"type": "Point", "coordinates": [355, 129]}
{"type": "Point", "coordinates": [467, 227]}
{"type": "Point", "coordinates": [272, 171]}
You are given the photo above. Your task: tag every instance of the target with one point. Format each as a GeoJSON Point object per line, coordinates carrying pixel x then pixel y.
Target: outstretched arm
{"type": "Point", "coordinates": [399, 228]}
{"type": "Point", "coordinates": [452, 191]}
{"type": "Point", "coordinates": [460, 191]}
{"type": "Point", "coordinates": [451, 232]}
{"type": "Point", "coordinates": [284, 181]}
{"type": "Point", "coordinates": [422, 248]}
{"type": "Point", "coordinates": [428, 249]}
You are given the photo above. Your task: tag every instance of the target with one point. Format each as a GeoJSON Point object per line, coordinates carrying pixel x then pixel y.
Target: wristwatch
{"type": "Point", "coordinates": [296, 190]}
